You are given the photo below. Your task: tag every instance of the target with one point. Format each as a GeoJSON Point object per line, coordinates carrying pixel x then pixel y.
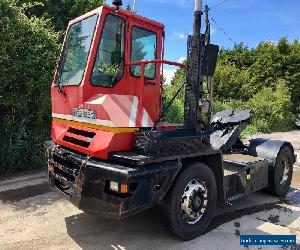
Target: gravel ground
{"type": "Point", "coordinates": [33, 217]}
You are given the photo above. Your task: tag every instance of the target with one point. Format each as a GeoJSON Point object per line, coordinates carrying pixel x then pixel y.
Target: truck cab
{"type": "Point", "coordinates": [98, 99]}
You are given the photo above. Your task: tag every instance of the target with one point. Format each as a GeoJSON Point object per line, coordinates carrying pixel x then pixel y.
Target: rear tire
{"type": "Point", "coordinates": [280, 179]}
{"type": "Point", "coordinates": [188, 208]}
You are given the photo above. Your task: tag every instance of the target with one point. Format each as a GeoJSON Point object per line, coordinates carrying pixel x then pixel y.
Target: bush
{"type": "Point", "coordinates": [272, 109]}
{"type": "Point", "coordinates": [236, 105]}
{"type": "Point", "coordinates": [176, 111]}
{"type": "Point", "coordinates": [28, 51]}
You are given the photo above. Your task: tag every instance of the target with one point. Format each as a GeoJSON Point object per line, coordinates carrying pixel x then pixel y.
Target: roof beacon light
{"type": "Point", "coordinates": [117, 3]}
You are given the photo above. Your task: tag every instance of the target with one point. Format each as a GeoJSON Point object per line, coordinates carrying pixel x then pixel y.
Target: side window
{"type": "Point", "coordinates": [109, 65]}
{"type": "Point", "coordinates": [143, 47]}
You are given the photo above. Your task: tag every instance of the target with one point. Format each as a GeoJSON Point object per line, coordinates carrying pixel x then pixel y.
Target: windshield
{"type": "Point", "coordinates": [75, 54]}
{"type": "Point", "coordinates": [109, 65]}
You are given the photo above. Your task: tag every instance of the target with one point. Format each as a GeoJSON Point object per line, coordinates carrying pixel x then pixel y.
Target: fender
{"type": "Point", "coordinates": [268, 149]}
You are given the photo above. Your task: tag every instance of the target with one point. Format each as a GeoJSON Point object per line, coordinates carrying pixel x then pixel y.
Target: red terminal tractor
{"type": "Point", "coordinates": [110, 152]}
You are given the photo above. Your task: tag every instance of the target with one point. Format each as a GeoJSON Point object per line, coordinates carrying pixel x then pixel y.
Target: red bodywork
{"type": "Point", "coordinates": [132, 103]}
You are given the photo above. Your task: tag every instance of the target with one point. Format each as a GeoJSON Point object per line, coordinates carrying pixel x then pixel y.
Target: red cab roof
{"type": "Point", "coordinates": [123, 12]}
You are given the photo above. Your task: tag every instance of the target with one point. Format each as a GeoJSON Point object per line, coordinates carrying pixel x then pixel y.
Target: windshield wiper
{"type": "Point", "coordinates": [60, 88]}
{"type": "Point", "coordinates": [57, 77]}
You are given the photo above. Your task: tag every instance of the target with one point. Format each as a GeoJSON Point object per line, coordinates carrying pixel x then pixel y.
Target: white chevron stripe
{"type": "Point", "coordinates": [133, 113]}
{"type": "Point", "coordinates": [99, 100]}
{"type": "Point", "coordinates": [145, 118]}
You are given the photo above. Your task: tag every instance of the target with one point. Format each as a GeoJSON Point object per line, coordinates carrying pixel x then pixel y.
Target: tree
{"type": "Point", "coordinates": [58, 11]}
{"type": "Point", "coordinates": [28, 52]}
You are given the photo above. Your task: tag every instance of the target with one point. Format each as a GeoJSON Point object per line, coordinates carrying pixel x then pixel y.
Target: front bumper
{"type": "Point", "coordinates": [85, 182]}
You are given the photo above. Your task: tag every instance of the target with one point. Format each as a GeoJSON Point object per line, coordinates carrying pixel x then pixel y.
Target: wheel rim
{"type": "Point", "coordinates": [194, 201]}
{"type": "Point", "coordinates": [285, 171]}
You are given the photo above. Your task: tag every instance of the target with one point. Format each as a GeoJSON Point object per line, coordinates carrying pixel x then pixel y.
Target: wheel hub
{"type": "Point", "coordinates": [193, 201]}
{"type": "Point", "coordinates": [285, 171]}
{"type": "Point", "coordinates": [197, 202]}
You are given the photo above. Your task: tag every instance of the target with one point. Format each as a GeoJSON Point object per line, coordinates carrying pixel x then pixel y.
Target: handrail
{"type": "Point", "coordinates": [143, 63]}
{"type": "Point", "coordinates": [156, 61]}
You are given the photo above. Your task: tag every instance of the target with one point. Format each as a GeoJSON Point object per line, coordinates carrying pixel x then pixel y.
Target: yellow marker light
{"type": "Point", "coordinates": [124, 188]}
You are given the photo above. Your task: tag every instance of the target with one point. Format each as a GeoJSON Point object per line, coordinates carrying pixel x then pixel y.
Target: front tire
{"type": "Point", "coordinates": [188, 208]}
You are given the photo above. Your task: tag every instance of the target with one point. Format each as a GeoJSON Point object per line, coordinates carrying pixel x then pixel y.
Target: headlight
{"type": "Point", "coordinates": [114, 186]}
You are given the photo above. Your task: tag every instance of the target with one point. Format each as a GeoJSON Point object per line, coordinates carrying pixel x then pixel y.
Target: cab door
{"type": "Point", "coordinates": [145, 45]}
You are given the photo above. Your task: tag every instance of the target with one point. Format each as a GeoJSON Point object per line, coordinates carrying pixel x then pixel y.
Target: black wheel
{"type": "Point", "coordinates": [188, 208]}
{"type": "Point", "coordinates": [280, 179]}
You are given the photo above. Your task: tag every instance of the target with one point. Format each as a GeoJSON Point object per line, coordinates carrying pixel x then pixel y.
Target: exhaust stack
{"type": "Point", "coordinates": [198, 4]}
{"type": "Point", "coordinates": [197, 17]}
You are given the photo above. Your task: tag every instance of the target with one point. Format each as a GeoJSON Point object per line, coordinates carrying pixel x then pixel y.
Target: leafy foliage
{"type": "Point", "coordinates": [59, 12]}
{"type": "Point", "coordinates": [264, 79]}
{"type": "Point", "coordinates": [28, 51]}
{"type": "Point", "coordinates": [272, 108]}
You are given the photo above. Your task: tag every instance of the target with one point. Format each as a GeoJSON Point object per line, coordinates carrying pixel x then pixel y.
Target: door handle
{"type": "Point", "coordinates": [149, 82]}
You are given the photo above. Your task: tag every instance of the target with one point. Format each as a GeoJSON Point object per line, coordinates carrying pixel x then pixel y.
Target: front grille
{"type": "Point", "coordinates": [81, 132]}
{"type": "Point", "coordinates": [78, 142]}
{"type": "Point", "coordinates": [84, 140]}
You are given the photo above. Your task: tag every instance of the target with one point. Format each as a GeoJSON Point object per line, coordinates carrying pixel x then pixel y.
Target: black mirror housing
{"type": "Point", "coordinates": [210, 59]}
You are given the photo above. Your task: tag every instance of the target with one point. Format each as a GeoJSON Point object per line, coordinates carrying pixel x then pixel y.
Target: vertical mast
{"type": "Point", "coordinates": [194, 78]}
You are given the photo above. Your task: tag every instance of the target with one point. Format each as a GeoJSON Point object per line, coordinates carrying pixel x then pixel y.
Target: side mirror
{"type": "Point", "coordinates": [210, 59]}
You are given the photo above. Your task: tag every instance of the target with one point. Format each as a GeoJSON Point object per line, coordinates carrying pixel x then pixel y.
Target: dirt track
{"type": "Point", "coordinates": [33, 217]}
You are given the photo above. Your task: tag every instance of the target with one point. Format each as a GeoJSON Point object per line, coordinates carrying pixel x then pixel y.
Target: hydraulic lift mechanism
{"type": "Point", "coordinates": [110, 152]}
